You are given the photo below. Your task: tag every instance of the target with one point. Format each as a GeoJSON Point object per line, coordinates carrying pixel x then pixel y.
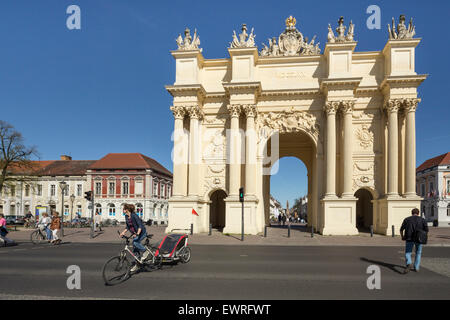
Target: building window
{"type": "Point", "coordinates": [79, 210]}
{"type": "Point", "coordinates": [169, 191]}
{"type": "Point", "coordinates": [66, 190]}
{"type": "Point", "coordinates": [66, 210]}
{"type": "Point", "coordinates": [155, 189]}
{"type": "Point", "coordinates": [12, 210]}
{"type": "Point", "coordinates": [422, 190]}
{"type": "Point", "coordinates": [161, 193]}
{"type": "Point", "coordinates": [39, 189]}
{"type": "Point", "coordinates": [13, 191]}
{"type": "Point", "coordinates": [98, 188]}
{"type": "Point", "coordinates": [448, 186]}
{"type": "Point", "coordinates": [125, 189]}
{"type": "Point", "coordinates": [52, 190]}
{"type": "Point", "coordinates": [111, 210]}
{"type": "Point", "coordinates": [98, 208]}
{"type": "Point", "coordinates": [27, 191]}
{"type": "Point", "coordinates": [79, 190]}
{"type": "Point", "coordinates": [139, 210]}
{"type": "Point", "coordinates": [139, 187]}
{"type": "Point", "coordinates": [112, 188]}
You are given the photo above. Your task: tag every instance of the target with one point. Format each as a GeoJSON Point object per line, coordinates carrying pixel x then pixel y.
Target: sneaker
{"type": "Point", "coordinates": [407, 269]}
{"type": "Point", "coordinates": [135, 268]}
{"type": "Point", "coordinates": [416, 270]}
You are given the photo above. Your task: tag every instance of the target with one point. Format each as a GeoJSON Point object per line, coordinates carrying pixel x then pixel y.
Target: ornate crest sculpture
{"type": "Point", "coordinates": [341, 37]}
{"type": "Point", "coordinates": [245, 40]}
{"type": "Point", "coordinates": [188, 43]}
{"type": "Point", "coordinates": [290, 43]}
{"type": "Point", "coordinates": [402, 32]}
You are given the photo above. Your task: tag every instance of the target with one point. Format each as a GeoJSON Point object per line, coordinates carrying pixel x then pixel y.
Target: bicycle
{"type": "Point", "coordinates": [38, 236]}
{"type": "Point", "coordinates": [118, 269]}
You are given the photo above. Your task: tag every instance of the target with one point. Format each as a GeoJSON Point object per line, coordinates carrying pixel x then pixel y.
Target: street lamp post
{"type": "Point", "coordinates": [72, 199]}
{"type": "Point", "coordinates": [63, 186]}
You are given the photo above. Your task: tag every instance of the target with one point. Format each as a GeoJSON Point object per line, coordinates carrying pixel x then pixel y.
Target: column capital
{"type": "Point", "coordinates": [347, 106]}
{"type": "Point", "coordinates": [410, 105]}
{"type": "Point", "coordinates": [178, 112]}
{"type": "Point", "coordinates": [393, 105]}
{"type": "Point", "coordinates": [195, 112]}
{"type": "Point", "coordinates": [234, 110]}
{"type": "Point", "coordinates": [250, 110]}
{"type": "Point", "coordinates": [331, 107]}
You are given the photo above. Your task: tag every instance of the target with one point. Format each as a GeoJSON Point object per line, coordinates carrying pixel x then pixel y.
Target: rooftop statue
{"type": "Point", "coordinates": [188, 43]}
{"type": "Point", "coordinates": [290, 43]}
{"type": "Point", "coordinates": [245, 40]}
{"type": "Point", "coordinates": [341, 37]}
{"type": "Point", "coordinates": [402, 32]}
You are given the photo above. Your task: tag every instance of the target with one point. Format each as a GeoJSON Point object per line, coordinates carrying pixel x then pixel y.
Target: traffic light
{"type": "Point", "coordinates": [241, 194]}
{"type": "Point", "coordinates": [88, 195]}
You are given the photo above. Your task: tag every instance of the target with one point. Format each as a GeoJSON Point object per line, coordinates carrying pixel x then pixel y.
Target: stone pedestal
{"type": "Point", "coordinates": [392, 212]}
{"type": "Point", "coordinates": [339, 217]}
{"type": "Point", "coordinates": [233, 220]}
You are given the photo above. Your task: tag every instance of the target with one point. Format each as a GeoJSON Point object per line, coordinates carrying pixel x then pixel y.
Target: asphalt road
{"type": "Point", "coordinates": [227, 272]}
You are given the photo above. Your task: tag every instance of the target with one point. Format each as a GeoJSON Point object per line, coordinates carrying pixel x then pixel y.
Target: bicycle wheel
{"type": "Point", "coordinates": [37, 237]}
{"type": "Point", "coordinates": [185, 255]}
{"type": "Point", "coordinates": [116, 270]}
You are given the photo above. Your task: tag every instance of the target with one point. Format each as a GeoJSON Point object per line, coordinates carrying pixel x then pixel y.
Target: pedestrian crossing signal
{"type": "Point", "coordinates": [241, 194]}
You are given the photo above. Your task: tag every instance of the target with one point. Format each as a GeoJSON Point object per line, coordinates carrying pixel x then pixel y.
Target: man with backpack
{"type": "Point", "coordinates": [414, 231]}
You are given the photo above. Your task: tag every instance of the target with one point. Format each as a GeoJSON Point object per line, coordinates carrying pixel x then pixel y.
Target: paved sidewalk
{"type": "Point", "coordinates": [276, 236]}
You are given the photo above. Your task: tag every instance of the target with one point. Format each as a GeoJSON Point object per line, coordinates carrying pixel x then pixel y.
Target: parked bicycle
{"type": "Point", "coordinates": [118, 269]}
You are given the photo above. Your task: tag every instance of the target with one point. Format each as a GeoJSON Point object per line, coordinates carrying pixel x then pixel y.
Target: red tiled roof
{"type": "Point", "coordinates": [66, 168]}
{"type": "Point", "coordinates": [443, 159]}
{"type": "Point", "coordinates": [128, 161]}
{"type": "Point", "coordinates": [34, 167]}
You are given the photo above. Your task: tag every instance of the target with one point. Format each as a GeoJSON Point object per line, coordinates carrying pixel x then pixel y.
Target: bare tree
{"type": "Point", "coordinates": [15, 158]}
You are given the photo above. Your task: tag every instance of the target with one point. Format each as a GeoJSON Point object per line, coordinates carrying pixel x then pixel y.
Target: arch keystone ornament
{"type": "Point", "coordinates": [337, 111]}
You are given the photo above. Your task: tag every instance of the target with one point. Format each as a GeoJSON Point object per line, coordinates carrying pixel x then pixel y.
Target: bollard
{"type": "Point", "coordinates": [192, 229]}
{"type": "Point", "coordinates": [265, 232]}
{"type": "Point", "coordinates": [312, 232]}
{"type": "Point", "coordinates": [289, 230]}
{"type": "Point", "coordinates": [210, 229]}
{"type": "Point", "coordinates": [393, 231]}
{"type": "Point", "coordinates": [371, 231]}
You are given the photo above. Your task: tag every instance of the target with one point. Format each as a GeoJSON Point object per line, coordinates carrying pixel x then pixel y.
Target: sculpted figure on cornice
{"type": "Point", "coordinates": [289, 121]}
{"type": "Point", "coordinates": [245, 40]}
{"type": "Point", "coordinates": [290, 43]}
{"type": "Point", "coordinates": [189, 42]}
{"type": "Point", "coordinates": [402, 32]}
{"type": "Point", "coordinates": [341, 37]}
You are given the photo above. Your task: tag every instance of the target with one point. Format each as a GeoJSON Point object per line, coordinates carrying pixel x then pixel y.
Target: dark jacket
{"type": "Point", "coordinates": [136, 222]}
{"type": "Point", "coordinates": [411, 224]}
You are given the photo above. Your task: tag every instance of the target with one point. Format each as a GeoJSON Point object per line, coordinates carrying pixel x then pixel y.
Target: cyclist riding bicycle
{"type": "Point", "coordinates": [137, 228]}
{"type": "Point", "coordinates": [44, 224]}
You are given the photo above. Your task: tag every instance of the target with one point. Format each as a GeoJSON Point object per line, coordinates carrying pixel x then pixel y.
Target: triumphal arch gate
{"type": "Point", "coordinates": [348, 115]}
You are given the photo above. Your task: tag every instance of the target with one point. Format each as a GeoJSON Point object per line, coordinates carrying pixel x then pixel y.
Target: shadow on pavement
{"type": "Point", "coordinates": [393, 267]}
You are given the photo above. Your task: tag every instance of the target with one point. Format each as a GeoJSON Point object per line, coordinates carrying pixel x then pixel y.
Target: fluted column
{"type": "Point", "coordinates": [234, 151]}
{"type": "Point", "coordinates": [180, 154]}
{"type": "Point", "coordinates": [330, 110]}
{"type": "Point", "coordinates": [347, 110]}
{"type": "Point", "coordinates": [250, 150]}
{"type": "Point", "coordinates": [392, 107]}
{"type": "Point", "coordinates": [194, 150]}
{"type": "Point", "coordinates": [410, 146]}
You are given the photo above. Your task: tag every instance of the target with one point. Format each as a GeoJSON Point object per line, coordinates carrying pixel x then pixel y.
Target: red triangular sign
{"type": "Point", "coordinates": [194, 212]}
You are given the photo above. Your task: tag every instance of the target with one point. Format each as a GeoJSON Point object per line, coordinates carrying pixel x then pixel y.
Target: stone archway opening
{"type": "Point", "coordinates": [217, 209]}
{"type": "Point", "coordinates": [364, 210]}
{"type": "Point", "coordinates": [301, 146]}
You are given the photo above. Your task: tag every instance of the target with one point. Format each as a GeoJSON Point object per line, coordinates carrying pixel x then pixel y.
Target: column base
{"type": "Point", "coordinates": [339, 216]}
{"type": "Point", "coordinates": [233, 215]}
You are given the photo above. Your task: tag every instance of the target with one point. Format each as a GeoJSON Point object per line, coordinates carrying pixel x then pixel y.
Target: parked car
{"type": "Point", "coordinates": [14, 220]}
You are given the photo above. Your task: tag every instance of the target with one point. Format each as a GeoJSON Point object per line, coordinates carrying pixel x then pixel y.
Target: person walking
{"type": "Point", "coordinates": [414, 231]}
{"type": "Point", "coordinates": [3, 230]}
{"type": "Point", "coordinates": [55, 226]}
{"type": "Point", "coordinates": [98, 221]}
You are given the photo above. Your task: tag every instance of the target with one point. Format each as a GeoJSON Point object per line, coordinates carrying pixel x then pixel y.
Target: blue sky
{"type": "Point", "coordinates": [101, 89]}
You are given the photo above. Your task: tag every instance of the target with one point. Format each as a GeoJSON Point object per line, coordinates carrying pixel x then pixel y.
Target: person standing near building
{"type": "Point", "coordinates": [98, 220]}
{"type": "Point", "coordinates": [55, 226]}
{"type": "Point", "coordinates": [414, 231]}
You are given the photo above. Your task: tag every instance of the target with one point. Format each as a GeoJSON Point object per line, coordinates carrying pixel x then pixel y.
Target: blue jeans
{"type": "Point", "coordinates": [408, 252]}
{"type": "Point", "coordinates": [137, 245]}
{"type": "Point", "coordinates": [49, 233]}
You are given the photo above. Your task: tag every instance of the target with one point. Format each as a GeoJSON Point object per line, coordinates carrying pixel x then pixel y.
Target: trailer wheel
{"type": "Point", "coordinates": [185, 255]}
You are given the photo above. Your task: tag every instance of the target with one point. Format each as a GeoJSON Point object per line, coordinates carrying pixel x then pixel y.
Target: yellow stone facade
{"type": "Point", "coordinates": [348, 115]}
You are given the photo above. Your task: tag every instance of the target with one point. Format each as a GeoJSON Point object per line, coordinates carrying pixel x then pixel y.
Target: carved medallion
{"type": "Point", "coordinates": [364, 136]}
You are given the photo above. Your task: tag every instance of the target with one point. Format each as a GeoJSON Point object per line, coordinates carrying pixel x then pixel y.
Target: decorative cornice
{"type": "Point", "coordinates": [187, 90]}
{"type": "Point", "coordinates": [242, 86]}
{"type": "Point", "coordinates": [402, 81]}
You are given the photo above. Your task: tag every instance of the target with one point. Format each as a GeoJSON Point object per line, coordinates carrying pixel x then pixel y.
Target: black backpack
{"type": "Point", "coordinates": [420, 236]}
